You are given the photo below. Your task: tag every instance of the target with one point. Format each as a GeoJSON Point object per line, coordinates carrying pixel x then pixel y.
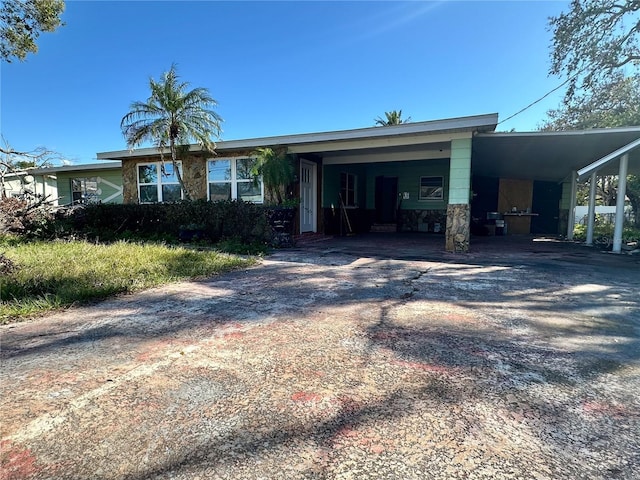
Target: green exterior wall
{"type": "Point", "coordinates": [565, 199]}
{"type": "Point", "coordinates": [112, 176]}
{"type": "Point", "coordinates": [408, 173]}
{"type": "Point", "coordinates": [460, 171]}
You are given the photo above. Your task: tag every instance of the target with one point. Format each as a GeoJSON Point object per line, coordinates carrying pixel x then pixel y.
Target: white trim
{"type": "Point", "coordinates": [564, 133]}
{"type": "Point", "coordinates": [608, 158]}
{"type": "Point", "coordinates": [233, 181]}
{"type": "Point", "coordinates": [592, 209]}
{"type": "Point", "coordinates": [159, 183]}
{"type": "Point", "coordinates": [572, 206]}
{"type": "Point", "coordinates": [620, 197]}
{"type": "Point", "coordinates": [314, 194]}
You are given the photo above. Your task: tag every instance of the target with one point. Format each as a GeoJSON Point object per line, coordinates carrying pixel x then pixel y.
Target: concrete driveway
{"type": "Point", "coordinates": [340, 359]}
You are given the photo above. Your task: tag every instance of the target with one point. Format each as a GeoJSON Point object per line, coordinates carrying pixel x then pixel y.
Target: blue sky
{"type": "Point", "coordinates": [279, 68]}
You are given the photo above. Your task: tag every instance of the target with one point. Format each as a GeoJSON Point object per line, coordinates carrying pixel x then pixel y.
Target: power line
{"type": "Point", "coordinates": [542, 97]}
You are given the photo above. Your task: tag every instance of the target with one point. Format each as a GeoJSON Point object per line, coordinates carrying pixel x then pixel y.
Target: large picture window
{"type": "Point", "coordinates": [348, 189]}
{"type": "Point", "coordinates": [431, 188]}
{"type": "Point", "coordinates": [231, 179]}
{"type": "Point", "coordinates": [158, 182]}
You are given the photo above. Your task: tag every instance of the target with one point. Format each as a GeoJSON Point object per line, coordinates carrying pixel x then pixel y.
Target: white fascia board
{"type": "Point", "coordinates": [564, 133]}
{"type": "Point", "coordinates": [469, 124]}
{"type": "Point", "coordinates": [585, 171]}
{"type": "Point", "coordinates": [77, 168]}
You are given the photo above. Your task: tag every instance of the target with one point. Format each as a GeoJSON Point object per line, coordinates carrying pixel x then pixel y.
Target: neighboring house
{"type": "Point", "coordinates": [70, 184]}
{"type": "Point", "coordinates": [437, 176]}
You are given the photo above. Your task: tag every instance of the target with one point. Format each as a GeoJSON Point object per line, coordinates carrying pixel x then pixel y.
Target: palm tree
{"type": "Point", "coordinates": [172, 117]}
{"type": "Point", "coordinates": [393, 118]}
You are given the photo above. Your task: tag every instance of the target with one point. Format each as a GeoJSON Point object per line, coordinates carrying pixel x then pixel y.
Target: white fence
{"type": "Point", "coordinates": [607, 213]}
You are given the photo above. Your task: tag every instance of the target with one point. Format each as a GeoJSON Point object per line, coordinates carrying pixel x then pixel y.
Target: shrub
{"type": "Point", "coordinates": [219, 220]}
{"type": "Point", "coordinates": [603, 233]}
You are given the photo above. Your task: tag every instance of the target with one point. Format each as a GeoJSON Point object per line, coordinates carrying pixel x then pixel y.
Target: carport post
{"type": "Point", "coordinates": [592, 209]}
{"type": "Point", "coordinates": [620, 195]}
{"type": "Point", "coordinates": [572, 206]}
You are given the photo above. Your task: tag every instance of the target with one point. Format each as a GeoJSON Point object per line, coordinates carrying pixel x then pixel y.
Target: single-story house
{"type": "Point", "coordinates": [448, 175]}
{"type": "Point", "coordinates": [69, 184]}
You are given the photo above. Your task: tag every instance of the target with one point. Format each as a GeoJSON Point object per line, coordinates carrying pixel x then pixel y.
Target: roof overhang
{"type": "Point", "coordinates": [552, 156]}
{"type": "Point", "coordinates": [394, 136]}
{"type": "Point", "coordinates": [69, 168]}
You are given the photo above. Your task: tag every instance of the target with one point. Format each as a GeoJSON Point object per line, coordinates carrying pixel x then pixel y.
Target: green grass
{"type": "Point", "coordinates": [53, 275]}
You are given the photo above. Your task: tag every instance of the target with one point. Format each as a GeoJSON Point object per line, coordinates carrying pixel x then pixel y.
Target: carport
{"type": "Point", "coordinates": [563, 159]}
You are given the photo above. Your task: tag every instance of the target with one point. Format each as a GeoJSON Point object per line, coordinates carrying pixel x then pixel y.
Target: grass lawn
{"type": "Point", "coordinates": [50, 275]}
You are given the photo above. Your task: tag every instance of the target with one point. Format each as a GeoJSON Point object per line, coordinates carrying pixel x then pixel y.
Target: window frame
{"type": "Point", "coordinates": [233, 180]}
{"type": "Point", "coordinates": [84, 198]}
{"type": "Point", "coordinates": [159, 183]}
{"type": "Point", "coordinates": [346, 191]}
{"type": "Point", "coordinates": [431, 198]}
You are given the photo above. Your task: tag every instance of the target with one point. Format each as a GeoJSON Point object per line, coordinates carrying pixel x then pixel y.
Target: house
{"type": "Point", "coordinates": [69, 184]}
{"type": "Point", "coordinates": [444, 175]}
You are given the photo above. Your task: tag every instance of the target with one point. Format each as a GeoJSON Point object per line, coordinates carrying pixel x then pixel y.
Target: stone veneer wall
{"type": "Point", "coordinates": [458, 221]}
{"type": "Point", "coordinates": [195, 177]}
{"type": "Point", "coordinates": [421, 220]}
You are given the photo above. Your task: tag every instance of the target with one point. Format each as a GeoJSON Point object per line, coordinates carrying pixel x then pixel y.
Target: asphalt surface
{"type": "Point", "coordinates": [380, 357]}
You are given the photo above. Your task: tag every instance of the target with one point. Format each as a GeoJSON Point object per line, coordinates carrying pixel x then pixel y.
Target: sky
{"type": "Point", "coordinates": [279, 68]}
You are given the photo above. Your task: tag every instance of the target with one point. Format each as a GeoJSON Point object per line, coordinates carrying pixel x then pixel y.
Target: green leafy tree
{"type": "Point", "coordinates": [615, 104]}
{"type": "Point", "coordinates": [172, 117]}
{"type": "Point", "coordinates": [22, 21]}
{"type": "Point", "coordinates": [593, 40]}
{"type": "Point", "coordinates": [391, 118]}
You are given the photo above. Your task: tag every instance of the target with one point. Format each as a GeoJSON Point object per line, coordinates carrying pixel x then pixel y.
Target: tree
{"type": "Point", "coordinates": [172, 117]}
{"type": "Point", "coordinates": [616, 103]}
{"type": "Point", "coordinates": [22, 21]}
{"type": "Point", "coordinates": [392, 118]}
{"type": "Point", "coordinates": [592, 41]}
{"type": "Point", "coordinates": [15, 161]}
{"type": "Point", "coordinates": [276, 170]}
{"type": "Point", "coordinates": [25, 212]}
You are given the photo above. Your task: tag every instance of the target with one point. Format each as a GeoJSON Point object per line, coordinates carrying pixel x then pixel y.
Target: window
{"type": "Point", "coordinates": [84, 190]}
{"type": "Point", "coordinates": [348, 189]}
{"type": "Point", "coordinates": [158, 183]}
{"type": "Point", "coordinates": [231, 178]}
{"type": "Point", "coordinates": [431, 188]}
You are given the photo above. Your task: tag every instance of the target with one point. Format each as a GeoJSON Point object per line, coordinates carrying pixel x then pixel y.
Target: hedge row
{"type": "Point", "coordinates": [198, 219]}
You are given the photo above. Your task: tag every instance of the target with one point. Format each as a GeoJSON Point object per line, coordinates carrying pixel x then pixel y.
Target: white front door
{"type": "Point", "coordinates": [307, 196]}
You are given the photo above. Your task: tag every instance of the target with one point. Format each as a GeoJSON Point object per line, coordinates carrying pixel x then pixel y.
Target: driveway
{"type": "Point", "coordinates": [340, 359]}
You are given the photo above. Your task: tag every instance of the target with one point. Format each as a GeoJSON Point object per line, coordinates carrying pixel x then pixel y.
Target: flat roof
{"type": "Point", "coordinates": [550, 156]}
{"type": "Point", "coordinates": [486, 122]}
{"type": "Point", "coordinates": [70, 168]}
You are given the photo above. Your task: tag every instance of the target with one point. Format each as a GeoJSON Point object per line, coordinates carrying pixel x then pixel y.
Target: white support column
{"type": "Point", "coordinates": [622, 191]}
{"type": "Point", "coordinates": [592, 209]}
{"type": "Point", "coordinates": [571, 223]}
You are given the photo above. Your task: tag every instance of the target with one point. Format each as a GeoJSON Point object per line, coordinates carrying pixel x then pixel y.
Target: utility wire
{"type": "Point", "coordinates": [542, 97]}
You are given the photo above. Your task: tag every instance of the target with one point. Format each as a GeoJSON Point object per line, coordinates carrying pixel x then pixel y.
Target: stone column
{"type": "Point", "coordinates": [458, 208]}
{"type": "Point", "coordinates": [458, 221]}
